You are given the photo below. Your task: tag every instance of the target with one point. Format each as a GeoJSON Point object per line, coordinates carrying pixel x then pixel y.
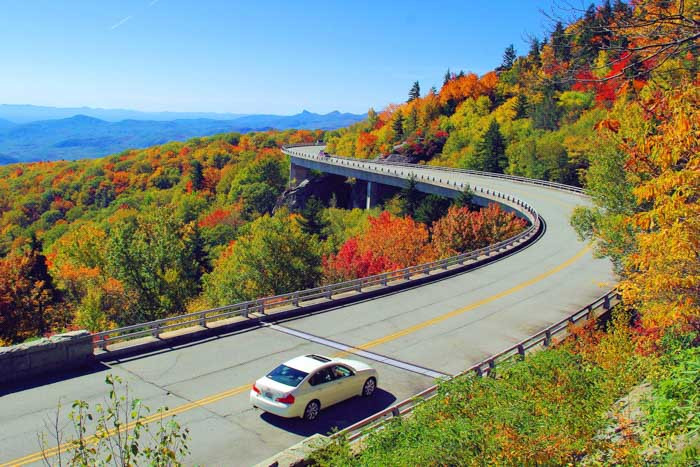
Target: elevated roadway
{"type": "Point", "coordinates": [410, 337]}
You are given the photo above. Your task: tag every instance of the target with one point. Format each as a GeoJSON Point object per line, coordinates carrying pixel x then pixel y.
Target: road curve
{"type": "Point", "coordinates": [439, 328]}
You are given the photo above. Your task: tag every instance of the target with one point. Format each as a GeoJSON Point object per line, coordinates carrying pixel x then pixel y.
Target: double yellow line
{"type": "Point", "coordinates": [51, 452]}
{"type": "Point", "coordinates": [36, 457]}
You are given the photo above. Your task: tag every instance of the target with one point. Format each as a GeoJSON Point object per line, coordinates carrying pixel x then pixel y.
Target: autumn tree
{"type": "Point", "coordinates": [29, 302]}
{"type": "Point", "coordinates": [462, 230]}
{"type": "Point", "coordinates": [155, 256]}
{"type": "Point", "coordinates": [400, 240]}
{"type": "Point", "coordinates": [272, 256]}
{"type": "Point", "coordinates": [351, 263]}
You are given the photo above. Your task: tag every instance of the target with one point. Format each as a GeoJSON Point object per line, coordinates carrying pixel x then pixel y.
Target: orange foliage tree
{"type": "Point", "coordinates": [462, 230]}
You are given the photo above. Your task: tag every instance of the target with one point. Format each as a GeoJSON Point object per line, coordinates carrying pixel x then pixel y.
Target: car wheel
{"type": "Point", "coordinates": [369, 387]}
{"type": "Point", "coordinates": [311, 411]}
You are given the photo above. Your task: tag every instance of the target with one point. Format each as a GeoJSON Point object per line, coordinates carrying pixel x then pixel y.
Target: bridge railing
{"type": "Point", "coordinates": [542, 339]}
{"type": "Point", "coordinates": [299, 298]}
{"type": "Point", "coordinates": [290, 150]}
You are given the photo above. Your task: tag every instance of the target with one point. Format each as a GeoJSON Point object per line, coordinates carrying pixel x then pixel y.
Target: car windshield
{"type": "Point", "coordinates": [287, 375]}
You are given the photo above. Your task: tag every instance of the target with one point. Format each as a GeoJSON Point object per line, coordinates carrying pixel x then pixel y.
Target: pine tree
{"type": "Point", "coordinates": [311, 220]}
{"type": "Point", "coordinates": [397, 125]}
{"type": "Point", "coordinates": [509, 57]}
{"type": "Point", "coordinates": [447, 78]}
{"type": "Point", "coordinates": [491, 150]}
{"type": "Point", "coordinates": [521, 106]}
{"type": "Point", "coordinates": [410, 198]}
{"type": "Point", "coordinates": [414, 93]}
{"type": "Point", "coordinates": [545, 113]}
{"type": "Point", "coordinates": [561, 43]}
{"type": "Point", "coordinates": [464, 198]}
{"type": "Point", "coordinates": [196, 175]}
{"type": "Point", "coordinates": [534, 53]}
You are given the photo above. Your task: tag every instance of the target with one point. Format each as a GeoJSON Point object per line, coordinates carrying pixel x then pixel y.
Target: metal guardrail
{"type": "Point", "coordinates": [298, 298]}
{"type": "Point", "coordinates": [484, 367]}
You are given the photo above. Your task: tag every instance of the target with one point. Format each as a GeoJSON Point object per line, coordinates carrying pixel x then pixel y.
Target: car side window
{"type": "Point", "coordinates": [340, 371]}
{"type": "Point", "coordinates": [321, 376]}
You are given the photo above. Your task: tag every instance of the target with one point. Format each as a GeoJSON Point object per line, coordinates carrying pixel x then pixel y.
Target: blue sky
{"type": "Point", "coordinates": [248, 57]}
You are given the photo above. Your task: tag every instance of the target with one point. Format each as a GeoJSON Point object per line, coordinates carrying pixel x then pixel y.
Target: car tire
{"type": "Point", "coordinates": [312, 410]}
{"type": "Point", "coordinates": [369, 387]}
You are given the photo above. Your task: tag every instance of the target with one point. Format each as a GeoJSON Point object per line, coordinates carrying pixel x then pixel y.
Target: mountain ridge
{"type": "Point", "coordinates": [84, 136]}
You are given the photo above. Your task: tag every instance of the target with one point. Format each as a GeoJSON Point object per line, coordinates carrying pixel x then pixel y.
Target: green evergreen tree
{"type": "Point", "coordinates": [397, 125]}
{"type": "Point", "coordinates": [491, 150]}
{"type": "Point", "coordinates": [414, 93]}
{"type": "Point", "coordinates": [521, 106]}
{"type": "Point", "coordinates": [196, 175]}
{"type": "Point", "coordinates": [561, 43]}
{"type": "Point", "coordinates": [509, 57]}
{"type": "Point", "coordinates": [464, 198]}
{"type": "Point", "coordinates": [431, 208]}
{"type": "Point", "coordinates": [534, 53]}
{"type": "Point", "coordinates": [447, 78]}
{"type": "Point", "coordinates": [546, 112]}
{"type": "Point", "coordinates": [312, 221]}
{"type": "Point", "coordinates": [410, 198]}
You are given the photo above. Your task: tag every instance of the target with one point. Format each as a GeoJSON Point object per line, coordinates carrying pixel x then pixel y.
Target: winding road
{"type": "Point", "coordinates": [410, 336]}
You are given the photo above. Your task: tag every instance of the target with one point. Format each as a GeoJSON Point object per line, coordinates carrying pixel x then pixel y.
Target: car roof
{"type": "Point", "coordinates": [308, 363]}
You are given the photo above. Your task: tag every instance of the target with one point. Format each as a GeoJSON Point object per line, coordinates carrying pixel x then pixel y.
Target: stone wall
{"type": "Point", "coordinates": [47, 355]}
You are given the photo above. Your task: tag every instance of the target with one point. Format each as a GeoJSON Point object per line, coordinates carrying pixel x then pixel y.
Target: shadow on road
{"type": "Point", "coordinates": [53, 377]}
{"type": "Point", "coordinates": [338, 416]}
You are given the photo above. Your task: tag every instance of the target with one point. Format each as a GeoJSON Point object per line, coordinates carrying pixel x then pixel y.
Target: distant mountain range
{"type": "Point", "coordinates": [81, 136]}
{"type": "Point", "coordinates": [32, 113]}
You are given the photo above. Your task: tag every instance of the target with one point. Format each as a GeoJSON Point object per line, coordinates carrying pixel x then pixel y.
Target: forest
{"type": "Point", "coordinates": [146, 234]}
{"type": "Point", "coordinates": [608, 101]}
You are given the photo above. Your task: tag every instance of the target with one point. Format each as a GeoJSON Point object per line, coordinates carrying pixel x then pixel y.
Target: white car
{"type": "Point", "coordinates": [304, 385]}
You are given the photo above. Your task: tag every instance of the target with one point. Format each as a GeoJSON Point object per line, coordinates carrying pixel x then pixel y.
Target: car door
{"type": "Point", "coordinates": [345, 384]}
{"type": "Point", "coordinates": [322, 387]}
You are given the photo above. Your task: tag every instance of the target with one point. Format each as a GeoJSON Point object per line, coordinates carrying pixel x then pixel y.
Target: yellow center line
{"type": "Point", "coordinates": [51, 452]}
{"type": "Point", "coordinates": [472, 306]}
{"type": "Point", "coordinates": [36, 457]}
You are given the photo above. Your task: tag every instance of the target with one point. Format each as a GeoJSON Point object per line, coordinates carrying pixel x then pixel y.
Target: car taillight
{"type": "Point", "coordinates": [288, 399]}
{"type": "Point", "coordinates": [255, 388]}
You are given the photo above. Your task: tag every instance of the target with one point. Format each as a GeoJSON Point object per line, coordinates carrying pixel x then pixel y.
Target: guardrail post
{"type": "Point", "coordinates": [101, 342]}
{"type": "Point", "coordinates": [606, 303]}
{"type": "Point", "coordinates": [262, 306]}
{"type": "Point", "coordinates": [155, 330]}
{"type": "Point", "coordinates": [295, 299]}
{"type": "Point", "coordinates": [384, 279]}
{"type": "Point", "coordinates": [407, 274]}
{"type": "Point", "coordinates": [395, 412]}
{"type": "Point", "coordinates": [245, 310]}
{"type": "Point", "coordinates": [521, 350]}
{"type": "Point", "coordinates": [203, 320]}
{"type": "Point", "coordinates": [328, 292]}
{"type": "Point", "coordinates": [547, 338]}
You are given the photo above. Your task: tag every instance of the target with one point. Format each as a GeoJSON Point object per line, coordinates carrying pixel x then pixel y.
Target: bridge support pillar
{"type": "Point", "coordinates": [372, 195]}
{"type": "Point", "coordinates": [297, 174]}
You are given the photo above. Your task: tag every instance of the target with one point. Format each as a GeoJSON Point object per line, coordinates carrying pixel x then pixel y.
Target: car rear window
{"type": "Point", "coordinates": [287, 375]}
